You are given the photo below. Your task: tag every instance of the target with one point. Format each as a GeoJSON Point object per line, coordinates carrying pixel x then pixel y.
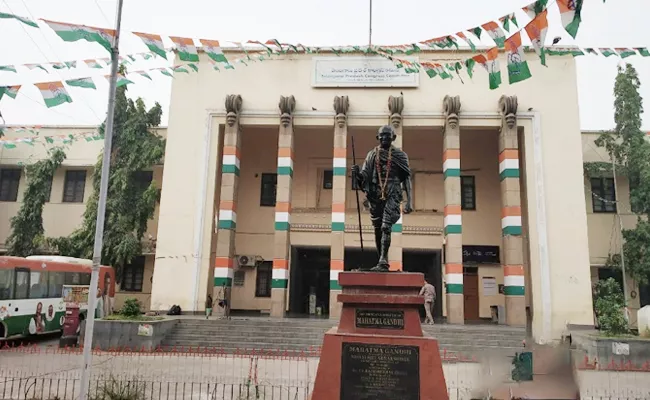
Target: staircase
{"type": "Point", "coordinates": [306, 334]}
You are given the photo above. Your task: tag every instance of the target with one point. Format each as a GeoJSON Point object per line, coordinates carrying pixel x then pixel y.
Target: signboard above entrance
{"type": "Point", "coordinates": [360, 72]}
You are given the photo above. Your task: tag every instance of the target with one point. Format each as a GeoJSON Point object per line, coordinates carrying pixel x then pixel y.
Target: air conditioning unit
{"type": "Point", "coordinates": [247, 260]}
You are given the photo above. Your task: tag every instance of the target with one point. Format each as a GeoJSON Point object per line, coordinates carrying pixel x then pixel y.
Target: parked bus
{"type": "Point", "coordinates": [31, 292]}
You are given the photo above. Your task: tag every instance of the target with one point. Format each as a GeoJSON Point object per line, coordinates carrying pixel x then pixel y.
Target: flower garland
{"type": "Point", "coordinates": [382, 185]}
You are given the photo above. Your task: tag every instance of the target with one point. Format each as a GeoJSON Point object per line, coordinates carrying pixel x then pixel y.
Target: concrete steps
{"type": "Point", "coordinates": [305, 335]}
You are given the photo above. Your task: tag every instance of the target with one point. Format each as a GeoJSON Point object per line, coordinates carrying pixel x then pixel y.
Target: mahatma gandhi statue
{"type": "Point", "coordinates": [384, 176]}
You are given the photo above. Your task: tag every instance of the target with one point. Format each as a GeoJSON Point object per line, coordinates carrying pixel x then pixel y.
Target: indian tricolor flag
{"type": "Point", "coordinates": [73, 33]}
{"type": "Point", "coordinates": [213, 49]}
{"type": "Point", "coordinates": [58, 65]}
{"type": "Point", "coordinates": [506, 20]}
{"type": "Point", "coordinates": [121, 80]}
{"type": "Point", "coordinates": [537, 29]}
{"type": "Point", "coordinates": [490, 61]}
{"type": "Point", "coordinates": [93, 64]}
{"type": "Point", "coordinates": [625, 52]}
{"type": "Point", "coordinates": [442, 42]}
{"type": "Point", "coordinates": [606, 52]}
{"type": "Point", "coordinates": [54, 93]}
{"type": "Point", "coordinates": [517, 66]}
{"type": "Point", "coordinates": [534, 8]}
{"type": "Point", "coordinates": [570, 11]}
{"type": "Point", "coordinates": [186, 48]}
{"type": "Point", "coordinates": [34, 66]}
{"type": "Point", "coordinates": [467, 40]}
{"type": "Point", "coordinates": [153, 42]}
{"type": "Point", "coordinates": [11, 91]}
{"type": "Point", "coordinates": [82, 83]}
{"type": "Point", "coordinates": [9, 68]}
{"type": "Point", "coordinates": [143, 74]}
{"type": "Point", "coordinates": [496, 33]}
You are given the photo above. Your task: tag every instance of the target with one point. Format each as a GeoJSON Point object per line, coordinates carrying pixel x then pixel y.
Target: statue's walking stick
{"type": "Point", "coordinates": [356, 191]}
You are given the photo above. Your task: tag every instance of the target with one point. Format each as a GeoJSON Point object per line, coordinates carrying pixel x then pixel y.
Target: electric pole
{"type": "Point", "coordinates": [101, 211]}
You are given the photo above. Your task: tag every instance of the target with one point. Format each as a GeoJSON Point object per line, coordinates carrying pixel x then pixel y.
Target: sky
{"type": "Point", "coordinates": [617, 23]}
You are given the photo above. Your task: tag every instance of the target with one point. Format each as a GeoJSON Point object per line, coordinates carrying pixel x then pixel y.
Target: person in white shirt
{"type": "Point", "coordinates": [429, 293]}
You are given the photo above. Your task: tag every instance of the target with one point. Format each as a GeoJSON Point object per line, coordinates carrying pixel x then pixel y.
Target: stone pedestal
{"type": "Point", "coordinates": [378, 351]}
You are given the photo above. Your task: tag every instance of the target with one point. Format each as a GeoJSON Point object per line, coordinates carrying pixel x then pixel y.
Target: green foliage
{"type": "Point", "coordinates": [131, 308]}
{"type": "Point", "coordinates": [130, 205]}
{"type": "Point", "coordinates": [26, 236]}
{"type": "Point", "coordinates": [627, 146]}
{"type": "Point", "coordinates": [116, 389]}
{"type": "Point", "coordinates": [609, 307]}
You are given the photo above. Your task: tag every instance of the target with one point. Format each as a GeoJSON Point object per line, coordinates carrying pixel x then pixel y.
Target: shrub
{"type": "Point", "coordinates": [131, 308]}
{"type": "Point", "coordinates": [610, 305]}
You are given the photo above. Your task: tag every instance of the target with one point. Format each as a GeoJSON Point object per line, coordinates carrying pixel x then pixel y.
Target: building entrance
{"type": "Point", "coordinates": [309, 291]}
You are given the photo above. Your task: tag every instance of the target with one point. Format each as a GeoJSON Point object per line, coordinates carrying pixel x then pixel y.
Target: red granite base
{"type": "Point", "coordinates": [378, 351]}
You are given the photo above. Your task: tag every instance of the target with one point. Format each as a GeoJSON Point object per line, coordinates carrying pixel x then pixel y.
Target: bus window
{"type": "Point", "coordinates": [38, 280]}
{"type": "Point", "coordinates": [72, 278]}
{"type": "Point", "coordinates": [85, 279]}
{"type": "Point", "coordinates": [22, 284]}
{"type": "Point", "coordinates": [55, 284]}
{"type": "Point", "coordinates": [6, 284]}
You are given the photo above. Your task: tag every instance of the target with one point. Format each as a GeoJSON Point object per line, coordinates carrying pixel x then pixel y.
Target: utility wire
{"type": "Point", "coordinates": [85, 102]}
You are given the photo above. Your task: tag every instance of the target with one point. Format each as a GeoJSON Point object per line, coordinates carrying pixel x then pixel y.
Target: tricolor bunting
{"type": "Point", "coordinates": [53, 93]}
{"type": "Point", "coordinates": [153, 43]}
{"type": "Point", "coordinates": [213, 49]}
{"type": "Point", "coordinates": [11, 91]}
{"type": "Point", "coordinates": [82, 83]}
{"type": "Point", "coordinates": [570, 11]}
{"type": "Point", "coordinates": [186, 49]}
{"type": "Point", "coordinates": [517, 65]}
{"type": "Point", "coordinates": [496, 33]}
{"type": "Point", "coordinates": [536, 30]}
{"type": "Point", "coordinates": [73, 33]}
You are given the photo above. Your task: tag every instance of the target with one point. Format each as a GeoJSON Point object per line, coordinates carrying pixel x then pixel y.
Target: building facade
{"type": "Point", "coordinates": [257, 207]}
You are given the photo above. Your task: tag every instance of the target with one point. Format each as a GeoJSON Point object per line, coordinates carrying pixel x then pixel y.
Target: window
{"type": "Point", "coordinates": [468, 193]}
{"type": "Point", "coordinates": [603, 194]}
{"type": "Point", "coordinates": [143, 180]}
{"type": "Point", "coordinates": [38, 281]}
{"type": "Point", "coordinates": [328, 179]}
{"type": "Point", "coordinates": [240, 277]}
{"type": "Point", "coordinates": [9, 180]}
{"type": "Point", "coordinates": [6, 284]}
{"type": "Point", "coordinates": [22, 284]}
{"type": "Point", "coordinates": [133, 275]}
{"type": "Point", "coordinates": [263, 280]}
{"type": "Point", "coordinates": [55, 284]}
{"type": "Point", "coordinates": [268, 190]}
{"type": "Point", "coordinates": [75, 183]}
{"type": "Point", "coordinates": [48, 190]}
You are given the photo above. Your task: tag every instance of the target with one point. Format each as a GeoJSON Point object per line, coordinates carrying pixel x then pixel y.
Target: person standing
{"type": "Point", "coordinates": [429, 293]}
{"type": "Point", "coordinates": [208, 307]}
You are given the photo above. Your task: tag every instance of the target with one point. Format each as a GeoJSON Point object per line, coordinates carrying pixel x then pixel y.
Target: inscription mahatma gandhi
{"type": "Point", "coordinates": [380, 372]}
{"type": "Point", "coordinates": [379, 319]}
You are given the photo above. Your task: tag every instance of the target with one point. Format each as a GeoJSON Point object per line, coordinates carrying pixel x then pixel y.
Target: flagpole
{"type": "Point", "coordinates": [101, 211]}
{"type": "Point", "coordinates": [370, 27]}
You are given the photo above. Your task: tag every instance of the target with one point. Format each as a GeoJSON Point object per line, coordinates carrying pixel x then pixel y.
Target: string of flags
{"type": "Point", "coordinates": [35, 138]}
{"type": "Point", "coordinates": [54, 93]}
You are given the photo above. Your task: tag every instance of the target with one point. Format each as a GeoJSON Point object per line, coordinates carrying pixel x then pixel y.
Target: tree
{"type": "Point", "coordinates": [609, 304]}
{"type": "Point", "coordinates": [26, 236]}
{"type": "Point", "coordinates": [628, 148]}
{"type": "Point", "coordinates": [130, 204]}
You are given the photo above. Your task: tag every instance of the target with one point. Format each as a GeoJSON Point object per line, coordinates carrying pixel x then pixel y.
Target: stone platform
{"type": "Point", "coordinates": [378, 351]}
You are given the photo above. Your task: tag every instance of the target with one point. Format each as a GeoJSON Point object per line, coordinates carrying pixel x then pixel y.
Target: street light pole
{"type": "Point", "coordinates": [101, 211]}
{"type": "Point", "coordinates": [370, 27]}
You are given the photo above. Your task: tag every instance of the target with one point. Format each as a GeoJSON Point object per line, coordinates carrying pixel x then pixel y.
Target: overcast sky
{"type": "Point", "coordinates": [618, 23]}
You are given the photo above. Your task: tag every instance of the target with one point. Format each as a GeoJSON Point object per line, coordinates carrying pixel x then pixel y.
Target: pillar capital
{"type": "Point", "coordinates": [233, 108]}
{"type": "Point", "coordinates": [508, 110]}
{"type": "Point", "coordinates": [451, 107]}
{"type": "Point", "coordinates": [287, 105]}
{"type": "Point", "coordinates": [341, 106]}
{"type": "Point", "coordinates": [395, 107]}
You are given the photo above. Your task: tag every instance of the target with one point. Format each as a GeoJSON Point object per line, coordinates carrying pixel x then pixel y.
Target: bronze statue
{"type": "Point", "coordinates": [384, 176]}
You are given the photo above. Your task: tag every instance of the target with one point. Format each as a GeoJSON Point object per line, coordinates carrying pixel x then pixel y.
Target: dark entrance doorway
{"type": "Point", "coordinates": [427, 262]}
{"type": "Point", "coordinates": [310, 279]}
{"type": "Point", "coordinates": [470, 293]}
